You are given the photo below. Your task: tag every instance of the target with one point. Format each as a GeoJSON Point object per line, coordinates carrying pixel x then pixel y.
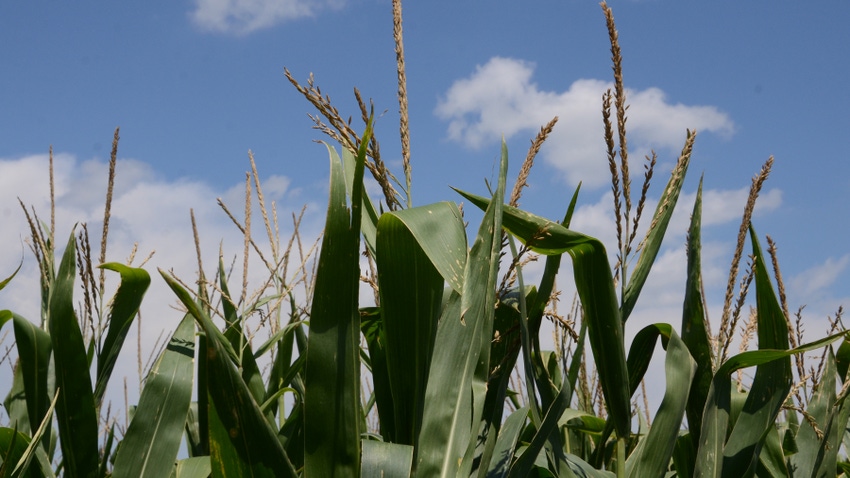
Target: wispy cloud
{"type": "Point", "coordinates": [813, 283]}
{"type": "Point", "coordinates": [500, 98]}
{"type": "Point", "coordinates": [245, 16]}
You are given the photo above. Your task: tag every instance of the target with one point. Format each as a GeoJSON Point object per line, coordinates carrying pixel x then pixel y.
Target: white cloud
{"type": "Point", "coordinates": [813, 283]}
{"type": "Point", "coordinates": [500, 98]}
{"type": "Point", "coordinates": [245, 16]}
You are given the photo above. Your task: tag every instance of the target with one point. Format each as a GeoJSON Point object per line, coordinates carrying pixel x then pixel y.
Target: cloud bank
{"type": "Point", "coordinates": [500, 98]}
{"type": "Point", "coordinates": [242, 17]}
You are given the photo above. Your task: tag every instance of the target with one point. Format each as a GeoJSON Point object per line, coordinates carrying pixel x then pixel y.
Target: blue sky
{"type": "Point", "coordinates": [195, 84]}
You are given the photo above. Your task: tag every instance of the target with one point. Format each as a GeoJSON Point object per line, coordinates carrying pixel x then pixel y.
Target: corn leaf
{"type": "Point", "coordinates": [76, 412]}
{"type": "Point", "coordinates": [386, 459]}
{"type": "Point", "coordinates": [6, 281]}
{"type": "Point", "coordinates": [234, 334]}
{"type": "Point", "coordinates": [842, 359]}
{"type": "Point", "coordinates": [660, 221]}
{"type": "Point", "coordinates": [503, 452]}
{"type": "Point", "coordinates": [370, 326]}
{"type": "Point", "coordinates": [835, 423]}
{"type": "Point", "coordinates": [819, 408]}
{"type": "Point", "coordinates": [771, 460]}
{"type": "Point", "coordinates": [548, 426]}
{"type": "Point", "coordinates": [151, 443]}
{"type": "Point", "coordinates": [694, 326]}
{"type": "Point", "coordinates": [411, 288]}
{"type": "Point", "coordinates": [15, 403]}
{"type": "Point", "coordinates": [332, 372]}
{"type": "Point", "coordinates": [719, 410]}
{"type": "Point", "coordinates": [455, 392]}
{"type": "Point", "coordinates": [195, 467]}
{"type": "Point", "coordinates": [503, 357]}
{"type": "Point", "coordinates": [32, 450]}
{"type": "Point", "coordinates": [259, 452]}
{"type": "Point", "coordinates": [772, 380]}
{"type": "Point", "coordinates": [224, 457]}
{"type": "Point", "coordinates": [13, 447]}
{"type": "Point", "coordinates": [369, 223]}
{"type": "Point", "coordinates": [595, 285]}
{"type": "Point", "coordinates": [125, 306]}
{"type": "Point", "coordinates": [34, 350]}
{"type": "Point", "coordinates": [657, 447]}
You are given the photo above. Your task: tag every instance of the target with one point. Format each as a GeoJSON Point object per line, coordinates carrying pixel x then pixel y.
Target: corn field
{"type": "Point", "coordinates": [444, 373]}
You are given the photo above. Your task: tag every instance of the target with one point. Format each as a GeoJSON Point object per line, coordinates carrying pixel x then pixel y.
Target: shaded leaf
{"type": "Point", "coordinates": [34, 350]}
{"type": "Point", "coordinates": [259, 451]}
{"type": "Point", "coordinates": [411, 289]}
{"type": "Point", "coordinates": [656, 449]}
{"type": "Point", "coordinates": [125, 306]}
{"type": "Point", "coordinates": [455, 392]}
{"type": "Point", "coordinates": [76, 413]}
{"type": "Point", "coordinates": [332, 371]}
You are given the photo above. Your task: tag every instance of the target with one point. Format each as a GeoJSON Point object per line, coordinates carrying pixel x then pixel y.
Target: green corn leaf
{"type": "Point", "coordinates": [76, 412]}
{"type": "Point", "coordinates": [438, 231]}
{"type": "Point", "coordinates": [694, 326]}
{"type": "Point", "coordinates": [503, 357]}
{"type": "Point", "coordinates": [15, 403]}
{"type": "Point", "coordinates": [225, 460]}
{"type": "Point", "coordinates": [842, 359]}
{"type": "Point", "coordinates": [411, 288]}
{"type": "Point", "coordinates": [13, 451]}
{"type": "Point", "coordinates": [538, 308]}
{"type": "Point", "coordinates": [656, 449]}
{"type": "Point", "coordinates": [259, 452]}
{"type": "Point", "coordinates": [684, 456]}
{"type": "Point", "coordinates": [503, 453]}
{"type": "Point", "coordinates": [819, 408]}
{"type": "Point", "coordinates": [595, 286]}
{"type": "Point", "coordinates": [539, 234]}
{"type": "Point", "coordinates": [540, 378]}
{"type": "Point", "coordinates": [582, 421]}
{"type": "Point", "coordinates": [150, 446]}
{"type": "Point", "coordinates": [332, 372]}
{"type": "Point", "coordinates": [282, 367]}
{"type": "Point", "coordinates": [660, 221]}
{"type": "Point", "coordinates": [33, 450]}
{"type": "Point", "coordinates": [772, 381]}
{"type": "Point", "coordinates": [835, 421]}
{"type": "Point", "coordinates": [370, 326]}
{"type": "Point", "coordinates": [34, 350]}
{"type": "Point", "coordinates": [455, 393]}
{"type": "Point", "coordinates": [234, 334]}
{"type": "Point", "coordinates": [548, 426]}
{"type": "Point", "coordinates": [718, 408]}
{"type": "Point", "coordinates": [195, 467]}
{"type": "Point", "coordinates": [369, 223]}
{"type": "Point", "coordinates": [125, 306]}
{"type": "Point", "coordinates": [382, 459]}
{"type": "Point", "coordinates": [286, 332]}
{"type": "Point", "coordinates": [772, 458]}
{"type": "Point", "coordinates": [6, 281]}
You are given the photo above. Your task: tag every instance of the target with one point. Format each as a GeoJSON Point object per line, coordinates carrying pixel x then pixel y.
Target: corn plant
{"type": "Point", "coordinates": [444, 374]}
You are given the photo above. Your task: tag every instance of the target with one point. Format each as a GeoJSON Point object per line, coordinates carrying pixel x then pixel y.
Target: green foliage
{"type": "Point", "coordinates": [444, 375]}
